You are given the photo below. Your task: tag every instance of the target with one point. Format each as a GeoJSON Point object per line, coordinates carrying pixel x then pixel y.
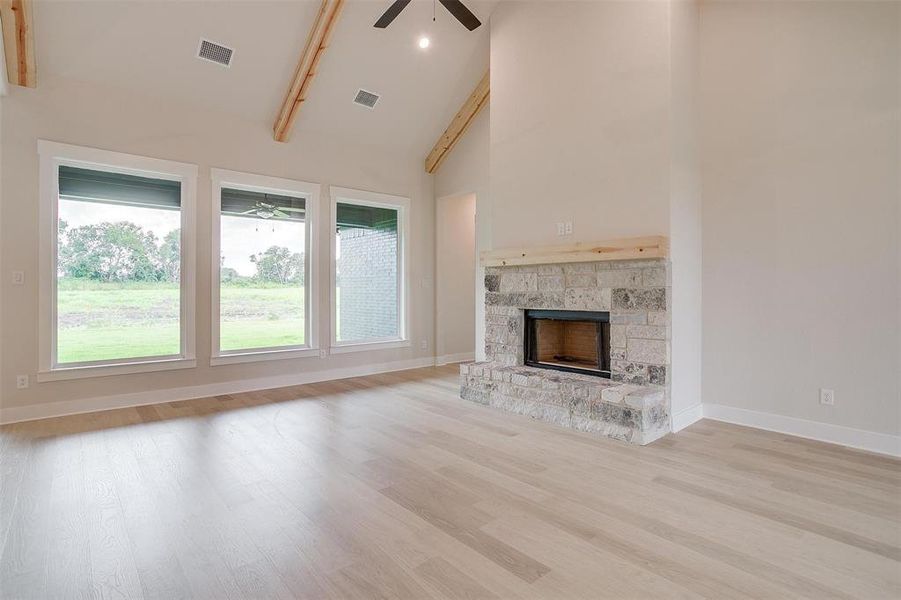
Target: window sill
{"type": "Point", "coordinates": [85, 372]}
{"type": "Point", "coordinates": [367, 346]}
{"type": "Point", "coordinates": [261, 356]}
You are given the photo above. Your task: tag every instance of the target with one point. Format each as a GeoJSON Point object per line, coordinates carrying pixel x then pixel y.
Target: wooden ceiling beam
{"type": "Point", "coordinates": [18, 41]}
{"type": "Point", "coordinates": [458, 126]}
{"type": "Point", "coordinates": [317, 42]}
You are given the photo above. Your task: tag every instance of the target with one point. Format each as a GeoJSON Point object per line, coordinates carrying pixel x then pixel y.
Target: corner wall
{"type": "Point", "coordinates": [465, 171]}
{"type": "Point", "coordinates": [685, 215]}
{"type": "Point", "coordinates": [455, 278]}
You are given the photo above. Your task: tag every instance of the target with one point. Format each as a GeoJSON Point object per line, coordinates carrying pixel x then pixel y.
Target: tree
{"type": "Point", "coordinates": [170, 255]}
{"type": "Point", "coordinates": [279, 265]}
{"type": "Point", "coordinates": [111, 252]}
{"type": "Point", "coordinates": [228, 274]}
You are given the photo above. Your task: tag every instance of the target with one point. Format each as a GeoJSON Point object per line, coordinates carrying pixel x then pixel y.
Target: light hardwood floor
{"type": "Point", "coordinates": [390, 486]}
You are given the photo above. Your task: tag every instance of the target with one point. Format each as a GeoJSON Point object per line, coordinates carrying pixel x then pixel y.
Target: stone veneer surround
{"type": "Point", "coordinates": [634, 404]}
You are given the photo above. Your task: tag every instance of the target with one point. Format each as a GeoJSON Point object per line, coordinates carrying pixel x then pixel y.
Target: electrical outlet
{"type": "Point", "coordinates": [568, 228]}
{"type": "Point", "coordinates": [21, 382]}
{"type": "Point", "coordinates": [827, 397]}
{"type": "Point", "coordinates": [424, 344]}
{"type": "Point", "coordinates": [18, 277]}
{"type": "Point", "coordinates": [323, 353]}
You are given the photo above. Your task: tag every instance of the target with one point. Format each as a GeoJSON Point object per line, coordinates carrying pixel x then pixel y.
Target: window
{"type": "Point", "coordinates": [117, 253]}
{"type": "Point", "coordinates": [263, 305]}
{"type": "Point", "coordinates": [369, 279]}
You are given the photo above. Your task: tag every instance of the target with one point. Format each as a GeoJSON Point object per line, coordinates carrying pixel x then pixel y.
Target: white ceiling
{"type": "Point", "coordinates": [150, 47]}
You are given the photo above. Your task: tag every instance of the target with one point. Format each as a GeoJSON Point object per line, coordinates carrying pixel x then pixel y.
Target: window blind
{"type": "Point", "coordinates": [90, 185]}
{"type": "Point", "coordinates": [365, 217]}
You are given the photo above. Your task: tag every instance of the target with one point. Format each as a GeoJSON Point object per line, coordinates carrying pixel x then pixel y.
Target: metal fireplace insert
{"type": "Point", "coordinates": [576, 341]}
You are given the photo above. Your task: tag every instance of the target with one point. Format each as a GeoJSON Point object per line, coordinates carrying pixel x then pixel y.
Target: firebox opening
{"type": "Point", "coordinates": [577, 341]}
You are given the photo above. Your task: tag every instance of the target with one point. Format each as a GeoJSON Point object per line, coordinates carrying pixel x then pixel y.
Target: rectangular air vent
{"type": "Point", "coordinates": [367, 99]}
{"type": "Point", "coordinates": [216, 53]}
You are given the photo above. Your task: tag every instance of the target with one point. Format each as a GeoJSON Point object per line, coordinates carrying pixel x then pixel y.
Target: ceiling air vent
{"type": "Point", "coordinates": [367, 99]}
{"type": "Point", "coordinates": [215, 52]}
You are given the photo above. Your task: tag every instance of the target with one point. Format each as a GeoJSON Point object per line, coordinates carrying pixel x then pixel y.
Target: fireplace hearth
{"type": "Point", "coordinates": [575, 341]}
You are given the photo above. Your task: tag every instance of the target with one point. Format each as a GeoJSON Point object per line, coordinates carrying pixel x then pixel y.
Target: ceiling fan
{"type": "Point", "coordinates": [265, 210]}
{"type": "Point", "coordinates": [454, 7]}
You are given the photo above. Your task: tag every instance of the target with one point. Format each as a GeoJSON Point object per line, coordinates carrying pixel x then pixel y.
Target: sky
{"type": "Point", "coordinates": [241, 237]}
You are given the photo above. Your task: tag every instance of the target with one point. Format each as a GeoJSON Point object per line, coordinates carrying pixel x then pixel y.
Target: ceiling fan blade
{"type": "Point", "coordinates": [292, 209]}
{"type": "Point", "coordinates": [463, 14]}
{"type": "Point", "coordinates": [252, 211]}
{"type": "Point", "coordinates": [391, 13]}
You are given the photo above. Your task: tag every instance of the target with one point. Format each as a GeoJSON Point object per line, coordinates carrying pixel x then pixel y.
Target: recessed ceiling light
{"type": "Point", "coordinates": [424, 42]}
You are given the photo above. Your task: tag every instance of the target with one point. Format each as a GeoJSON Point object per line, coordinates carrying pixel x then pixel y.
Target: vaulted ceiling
{"type": "Point", "coordinates": [150, 47]}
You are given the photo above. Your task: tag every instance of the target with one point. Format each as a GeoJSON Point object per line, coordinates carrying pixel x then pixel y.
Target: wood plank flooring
{"type": "Point", "coordinates": [390, 486]}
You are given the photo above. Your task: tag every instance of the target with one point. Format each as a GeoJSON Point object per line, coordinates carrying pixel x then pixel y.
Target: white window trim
{"type": "Point", "coordinates": [276, 185]}
{"type": "Point", "coordinates": [402, 205]}
{"type": "Point", "coordinates": [54, 154]}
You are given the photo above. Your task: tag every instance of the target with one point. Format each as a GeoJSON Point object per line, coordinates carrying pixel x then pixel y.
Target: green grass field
{"type": "Point", "coordinates": [104, 321]}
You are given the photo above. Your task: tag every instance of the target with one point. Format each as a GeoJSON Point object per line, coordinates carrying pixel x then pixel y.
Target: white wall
{"type": "Point", "coordinates": [455, 273]}
{"type": "Point", "coordinates": [800, 162]}
{"type": "Point", "coordinates": [114, 119]}
{"type": "Point", "coordinates": [464, 171]}
{"type": "Point", "coordinates": [685, 215]}
{"type": "Point", "coordinates": [579, 120]}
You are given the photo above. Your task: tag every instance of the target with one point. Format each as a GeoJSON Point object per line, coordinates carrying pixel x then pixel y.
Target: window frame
{"type": "Point", "coordinates": [51, 156]}
{"type": "Point", "coordinates": [274, 185]}
{"type": "Point", "coordinates": [402, 205]}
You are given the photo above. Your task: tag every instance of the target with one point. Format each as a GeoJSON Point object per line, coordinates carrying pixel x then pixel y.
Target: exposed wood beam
{"type": "Point", "coordinates": [317, 42]}
{"type": "Point", "coordinates": [654, 246]}
{"type": "Point", "coordinates": [477, 99]}
{"type": "Point", "coordinates": [18, 41]}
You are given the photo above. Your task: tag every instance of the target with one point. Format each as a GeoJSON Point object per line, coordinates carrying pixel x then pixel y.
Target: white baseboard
{"type": "Point", "coordinates": [687, 416]}
{"type": "Point", "coordinates": [872, 441]}
{"type": "Point", "coordinates": [448, 359]}
{"type": "Point", "coordinates": [846, 436]}
{"type": "Point", "coordinates": [86, 405]}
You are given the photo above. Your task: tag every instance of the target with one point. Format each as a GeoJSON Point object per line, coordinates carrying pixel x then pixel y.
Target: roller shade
{"type": "Point", "coordinates": [252, 204]}
{"type": "Point", "coordinates": [89, 185]}
{"type": "Point", "coordinates": [365, 217]}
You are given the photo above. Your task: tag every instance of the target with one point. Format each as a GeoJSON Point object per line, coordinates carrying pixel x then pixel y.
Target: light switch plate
{"type": "Point", "coordinates": [18, 277]}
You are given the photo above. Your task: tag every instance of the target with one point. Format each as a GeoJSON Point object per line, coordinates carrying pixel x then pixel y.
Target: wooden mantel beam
{"type": "Point", "coordinates": [317, 42]}
{"type": "Point", "coordinates": [477, 99]}
{"type": "Point", "coordinates": [18, 41]}
{"type": "Point", "coordinates": [653, 246]}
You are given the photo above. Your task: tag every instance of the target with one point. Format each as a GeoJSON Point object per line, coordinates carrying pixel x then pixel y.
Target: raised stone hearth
{"type": "Point", "coordinates": [633, 405]}
{"type": "Point", "coordinates": [632, 413]}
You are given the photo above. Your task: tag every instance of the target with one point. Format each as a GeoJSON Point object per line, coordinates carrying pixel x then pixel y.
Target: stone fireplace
{"type": "Point", "coordinates": [584, 345]}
